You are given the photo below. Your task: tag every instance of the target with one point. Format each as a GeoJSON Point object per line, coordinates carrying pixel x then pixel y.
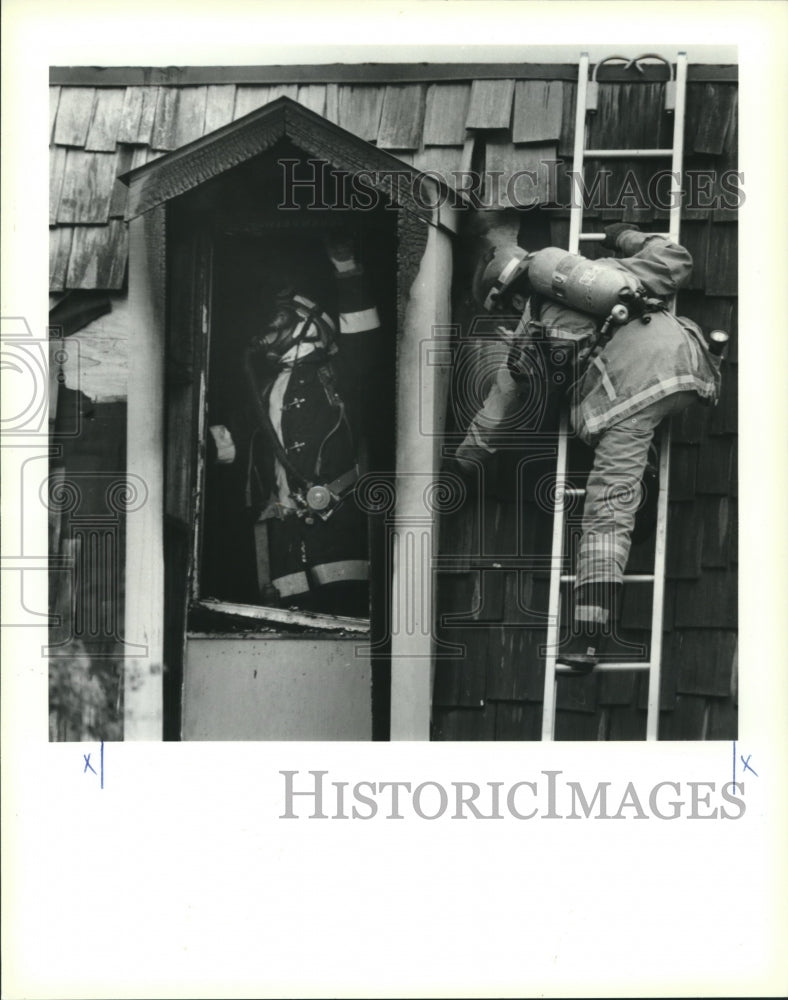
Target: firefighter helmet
{"type": "Point", "coordinates": [498, 275]}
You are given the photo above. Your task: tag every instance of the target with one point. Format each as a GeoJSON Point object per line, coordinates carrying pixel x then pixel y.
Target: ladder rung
{"type": "Point", "coordinates": [594, 237]}
{"type": "Point", "coordinates": [606, 665]}
{"type": "Point", "coordinates": [630, 578]}
{"type": "Point", "coordinates": [623, 154]}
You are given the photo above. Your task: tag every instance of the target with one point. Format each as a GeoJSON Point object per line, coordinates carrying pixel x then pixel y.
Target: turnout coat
{"type": "Point", "coordinates": [301, 425]}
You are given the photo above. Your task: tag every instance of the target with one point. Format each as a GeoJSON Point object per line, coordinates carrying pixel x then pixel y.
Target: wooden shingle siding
{"type": "Point", "coordinates": [59, 252]}
{"type": "Point", "coordinates": [490, 104]}
{"type": "Point", "coordinates": [714, 466]}
{"type": "Point", "coordinates": [87, 187]}
{"type": "Point", "coordinates": [312, 96]}
{"type": "Point", "coordinates": [443, 160]}
{"type": "Point", "coordinates": [445, 114]}
{"type": "Point", "coordinates": [685, 541]}
{"type": "Point", "coordinates": [332, 103]}
{"type": "Point", "coordinates": [538, 111]}
{"type": "Point", "coordinates": [716, 514]}
{"type": "Point", "coordinates": [136, 118]}
{"type": "Point", "coordinates": [54, 100]}
{"type": "Point", "coordinates": [120, 191]}
{"type": "Point", "coordinates": [683, 469]}
{"type": "Point", "coordinates": [219, 106]}
{"type": "Point", "coordinates": [73, 116]}
{"type": "Point", "coordinates": [57, 171]}
{"type": "Point", "coordinates": [711, 110]}
{"type": "Point", "coordinates": [526, 177]}
{"type": "Point", "coordinates": [722, 261]}
{"type": "Point", "coordinates": [190, 124]}
{"type": "Point", "coordinates": [359, 110]}
{"type": "Point", "coordinates": [402, 117]}
{"type": "Point", "coordinates": [690, 715]}
{"type": "Point", "coordinates": [248, 99]}
{"type": "Point", "coordinates": [98, 256]}
{"type": "Point", "coordinates": [709, 602]}
{"type": "Point", "coordinates": [630, 115]}
{"type": "Point", "coordinates": [725, 415]}
{"type": "Point", "coordinates": [165, 119]}
{"type": "Point", "coordinates": [103, 131]}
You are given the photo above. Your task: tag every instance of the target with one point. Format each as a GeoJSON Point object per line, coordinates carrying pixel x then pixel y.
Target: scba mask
{"type": "Point", "coordinates": [296, 320]}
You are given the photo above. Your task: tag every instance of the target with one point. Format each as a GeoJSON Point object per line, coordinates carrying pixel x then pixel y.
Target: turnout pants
{"type": "Point", "coordinates": [613, 496]}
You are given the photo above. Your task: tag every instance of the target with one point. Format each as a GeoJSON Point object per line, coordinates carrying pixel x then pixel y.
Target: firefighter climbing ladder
{"type": "Point", "coordinates": [675, 94]}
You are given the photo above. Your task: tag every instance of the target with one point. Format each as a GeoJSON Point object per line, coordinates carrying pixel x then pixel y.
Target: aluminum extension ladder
{"type": "Point", "coordinates": [675, 95]}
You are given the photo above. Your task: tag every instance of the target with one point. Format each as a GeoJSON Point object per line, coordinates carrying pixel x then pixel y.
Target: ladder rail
{"type": "Point", "coordinates": [660, 549]}
{"type": "Point", "coordinates": [654, 663]}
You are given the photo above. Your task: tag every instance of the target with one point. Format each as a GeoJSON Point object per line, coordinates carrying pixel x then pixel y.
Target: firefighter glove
{"type": "Point", "coordinates": [613, 231]}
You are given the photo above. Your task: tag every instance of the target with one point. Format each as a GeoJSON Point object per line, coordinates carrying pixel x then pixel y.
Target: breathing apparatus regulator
{"type": "Point", "coordinates": [295, 320]}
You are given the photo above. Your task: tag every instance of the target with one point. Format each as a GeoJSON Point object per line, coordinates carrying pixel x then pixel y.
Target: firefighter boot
{"type": "Point", "coordinates": [594, 622]}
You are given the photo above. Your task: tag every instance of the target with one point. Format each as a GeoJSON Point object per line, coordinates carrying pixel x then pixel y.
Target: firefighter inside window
{"type": "Point", "coordinates": [629, 364]}
{"type": "Point", "coordinates": [285, 450]}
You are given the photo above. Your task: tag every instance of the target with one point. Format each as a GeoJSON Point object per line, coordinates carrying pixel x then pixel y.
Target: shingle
{"type": "Point", "coordinates": [518, 721]}
{"type": "Point", "coordinates": [98, 256]}
{"type": "Point", "coordinates": [219, 105]}
{"type": "Point", "coordinates": [616, 687]}
{"type": "Point", "coordinates": [725, 415]}
{"type": "Point", "coordinates": [190, 119]}
{"type": "Point", "coordinates": [313, 96]}
{"type": "Point", "coordinates": [538, 111]}
{"type": "Point", "coordinates": [723, 720]}
{"type": "Point", "coordinates": [710, 110]}
{"type": "Point", "coordinates": [568, 115]}
{"type": "Point", "coordinates": [627, 722]}
{"type": "Point", "coordinates": [443, 160]}
{"type": "Point", "coordinates": [577, 694]}
{"type": "Point", "coordinates": [685, 541]}
{"type": "Point", "coordinates": [332, 102]}
{"type": "Point", "coordinates": [120, 191]}
{"type": "Point", "coordinates": [629, 116]}
{"type": "Point", "coordinates": [683, 471]}
{"type": "Point", "coordinates": [714, 466]}
{"type": "Point", "coordinates": [697, 181]}
{"type": "Point", "coordinates": [490, 104]}
{"type": "Point", "coordinates": [705, 659]}
{"type": "Point", "coordinates": [73, 115]}
{"type": "Point", "coordinates": [689, 427]}
{"type": "Point", "coordinates": [54, 100]}
{"type": "Point", "coordinates": [695, 238]}
{"type": "Point", "coordinates": [578, 726]}
{"type": "Point", "coordinates": [359, 110]}
{"type": "Point", "coordinates": [164, 120]}
{"type": "Point", "coordinates": [402, 117]}
{"type": "Point", "coordinates": [518, 176]}
{"type": "Point", "coordinates": [103, 131]}
{"type": "Point", "coordinates": [465, 723]}
{"type": "Point", "coordinates": [446, 111]}
{"type": "Point", "coordinates": [137, 114]}
{"type": "Point", "coordinates": [248, 99]}
{"type": "Point", "coordinates": [722, 260]}
{"type": "Point", "coordinates": [716, 513]}
{"type": "Point", "coordinates": [59, 251]}
{"type": "Point", "coordinates": [57, 171]}
{"type": "Point", "coordinates": [710, 602]}
{"type": "Point", "coordinates": [87, 187]}
{"type": "Point", "coordinates": [687, 721]}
